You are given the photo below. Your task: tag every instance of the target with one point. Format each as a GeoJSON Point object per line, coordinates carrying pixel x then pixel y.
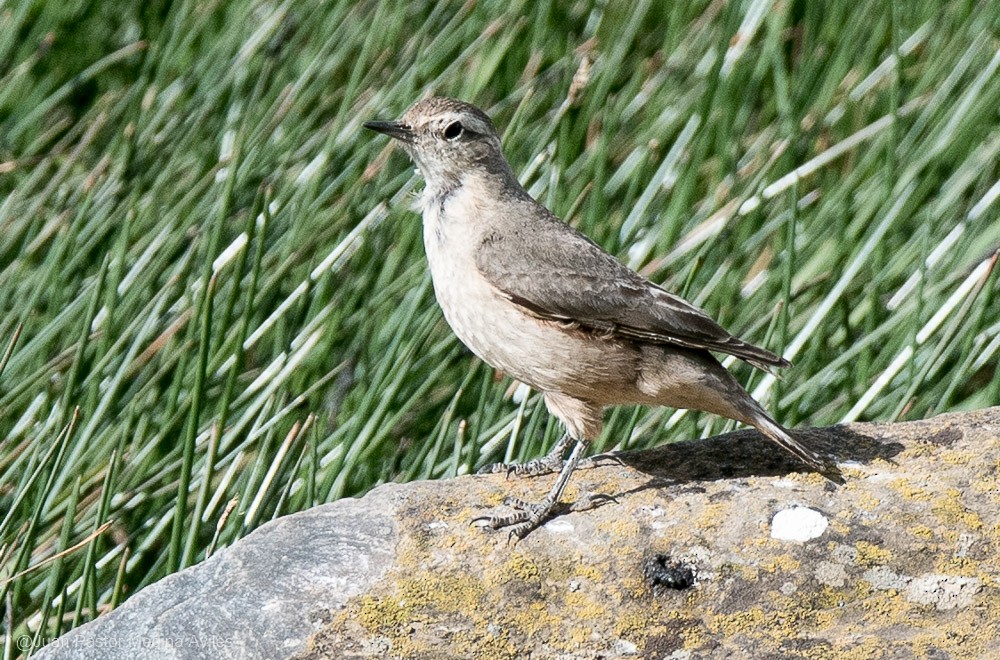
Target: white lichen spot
{"type": "Point", "coordinates": [944, 592]}
{"type": "Point", "coordinates": [884, 578]}
{"type": "Point", "coordinates": [625, 647]}
{"type": "Point", "coordinates": [831, 573]}
{"type": "Point", "coordinates": [560, 526]}
{"type": "Point", "coordinates": [799, 524]}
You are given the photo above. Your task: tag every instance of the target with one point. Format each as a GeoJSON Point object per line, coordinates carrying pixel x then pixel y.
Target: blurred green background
{"type": "Point", "coordinates": [212, 282]}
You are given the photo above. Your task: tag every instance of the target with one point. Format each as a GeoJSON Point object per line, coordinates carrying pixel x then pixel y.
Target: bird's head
{"type": "Point", "coordinates": [446, 139]}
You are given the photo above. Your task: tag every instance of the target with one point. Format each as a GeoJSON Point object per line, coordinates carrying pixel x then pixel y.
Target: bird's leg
{"type": "Point", "coordinates": [529, 515]}
{"type": "Point", "coordinates": [551, 462]}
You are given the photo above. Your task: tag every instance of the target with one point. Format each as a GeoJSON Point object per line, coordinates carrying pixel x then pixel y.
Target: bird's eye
{"type": "Point", "coordinates": [454, 130]}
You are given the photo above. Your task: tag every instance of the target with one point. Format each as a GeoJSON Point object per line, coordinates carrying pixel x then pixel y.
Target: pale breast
{"type": "Point", "coordinates": [539, 353]}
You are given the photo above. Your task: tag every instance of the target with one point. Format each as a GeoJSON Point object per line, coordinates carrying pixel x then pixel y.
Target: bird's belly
{"type": "Point", "coordinates": [543, 354]}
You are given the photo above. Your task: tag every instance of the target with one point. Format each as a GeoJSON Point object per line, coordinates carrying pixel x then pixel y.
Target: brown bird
{"type": "Point", "coordinates": [537, 299]}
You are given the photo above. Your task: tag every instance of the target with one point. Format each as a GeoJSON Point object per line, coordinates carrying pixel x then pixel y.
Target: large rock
{"type": "Point", "coordinates": [714, 549]}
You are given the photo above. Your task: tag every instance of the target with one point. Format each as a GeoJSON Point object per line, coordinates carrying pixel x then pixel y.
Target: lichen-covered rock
{"type": "Point", "coordinates": [713, 549]}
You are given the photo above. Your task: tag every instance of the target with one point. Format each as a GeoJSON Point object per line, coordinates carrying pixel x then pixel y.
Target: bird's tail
{"type": "Point", "coordinates": [782, 437]}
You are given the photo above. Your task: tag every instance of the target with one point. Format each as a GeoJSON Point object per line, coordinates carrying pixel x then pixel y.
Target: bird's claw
{"type": "Point", "coordinates": [533, 468]}
{"type": "Point", "coordinates": [528, 516]}
{"type": "Point", "coordinates": [548, 464]}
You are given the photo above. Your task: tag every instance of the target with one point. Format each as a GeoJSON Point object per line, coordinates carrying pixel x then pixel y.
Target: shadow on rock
{"type": "Point", "coordinates": [746, 453]}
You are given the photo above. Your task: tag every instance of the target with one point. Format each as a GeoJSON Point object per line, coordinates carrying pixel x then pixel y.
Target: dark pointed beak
{"type": "Point", "coordinates": [393, 129]}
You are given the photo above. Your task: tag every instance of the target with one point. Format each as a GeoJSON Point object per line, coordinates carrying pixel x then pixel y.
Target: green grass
{"type": "Point", "coordinates": [212, 282]}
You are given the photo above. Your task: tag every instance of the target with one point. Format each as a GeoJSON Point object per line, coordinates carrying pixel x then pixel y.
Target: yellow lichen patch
{"type": "Point", "coordinates": [949, 536]}
{"type": "Point", "coordinates": [812, 478]}
{"type": "Point", "coordinates": [909, 491]}
{"type": "Point", "coordinates": [489, 498]}
{"type": "Point", "coordinates": [632, 625]}
{"type": "Point", "coordinates": [870, 554]}
{"type": "Point", "coordinates": [929, 645]}
{"type": "Point", "coordinates": [712, 515]}
{"type": "Point", "coordinates": [382, 614]}
{"type": "Point", "coordinates": [759, 541]}
{"type": "Point", "coordinates": [445, 592]}
{"type": "Point", "coordinates": [523, 568]}
{"type": "Point", "coordinates": [955, 456]}
{"type": "Point", "coordinates": [752, 620]}
{"type": "Point", "coordinates": [784, 563]}
{"type": "Point", "coordinates": [623, 528]}
{"type": "Point", "coordinates": [587, 571]}
{"type": "Point", "coordinates": [635, 586]}
{"type": "Point", "coordinates": [991, 582]}
{"type": "Point", "coordinates": [884, 608]}
{"type": "Point", "coordinates": [695, 637]}
{"type": "Point", "coordinates": [950, 565]}
{"type": "Point", "coordinates": [828, 598]}
{"type": "Point", "coordinates": [518, 567]}
{"type": "Point", "coordinates": [819, 653]}
{"type": "Point", "coordinates": [922, 532]}
{"type": "Point", "coordinates": [804, 612]}
{"type": "Point", "coordinates": [534, 620]}
{"type": "Point", "coordinates": [579, 636]}
{"type": "Point", "coordinates": [820, 620]}
{"type": "Point", "coordinates": [659, 622]}
{"type": "Point", "coordinates": [867, 502]}
{"type": "Point", "coordinates": [853, 475]}
{"type": "Point", "coordinates": [582, 607]}
{"type": "Point", "coordinates": [485, 646]}
{"type": "Point", "coordinates": [864, 649]}
{"type": "Point", "coordinates": [949, 510]}
{"type": "Point", "coordinates": [917, 451]}
{"type": "Point", "coordinates": [839, 527]}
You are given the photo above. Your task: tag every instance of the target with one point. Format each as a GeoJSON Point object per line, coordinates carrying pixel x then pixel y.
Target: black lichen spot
{"type": "Point", "coordinates": [663, 573]}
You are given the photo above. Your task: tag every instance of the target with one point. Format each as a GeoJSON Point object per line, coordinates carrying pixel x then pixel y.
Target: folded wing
{"type": "Point", "coordinates": [558, 274]}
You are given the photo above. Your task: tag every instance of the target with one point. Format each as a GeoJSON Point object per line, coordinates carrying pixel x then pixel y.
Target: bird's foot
{"type": "Point", "coordinates": [548, 464]}
{"type": "Point", "coordinates": [528, 516]}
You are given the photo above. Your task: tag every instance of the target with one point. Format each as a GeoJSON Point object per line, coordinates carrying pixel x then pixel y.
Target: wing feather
{"type": "Point", "coordinates": [556, 273]}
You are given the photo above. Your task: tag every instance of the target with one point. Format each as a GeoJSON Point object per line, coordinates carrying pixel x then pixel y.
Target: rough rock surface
{"type": "Point", "coordinates": [714, 549]}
